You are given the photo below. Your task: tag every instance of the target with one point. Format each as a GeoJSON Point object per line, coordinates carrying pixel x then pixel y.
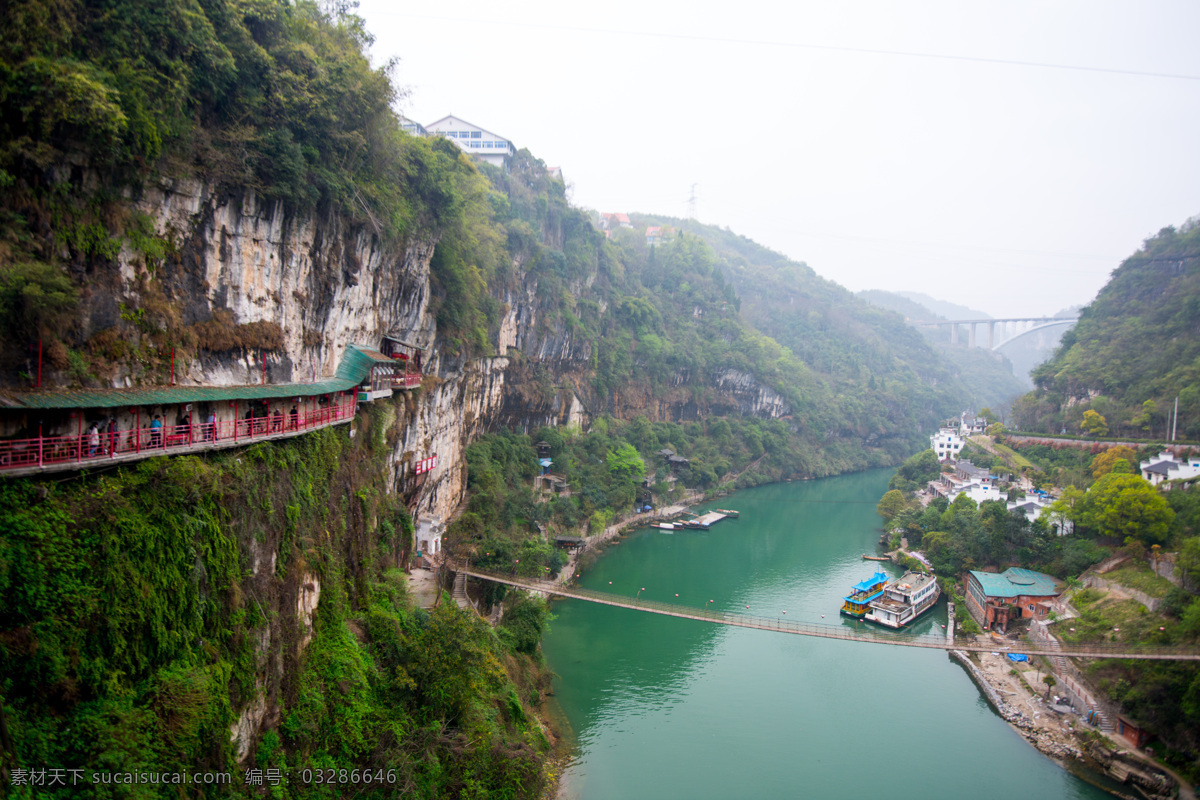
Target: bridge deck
{"type": "Point", "coordinates": [899, 638]}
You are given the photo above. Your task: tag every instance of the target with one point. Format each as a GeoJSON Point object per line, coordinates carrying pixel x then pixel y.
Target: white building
{"type": "Point", "coordinates": [972, 425]}
{"type": "Point", "coordinates": [413, 127]}
{"type": "Point", "coordinates": [946, 443]}
{"type": "Point", "coordinates": [1167, 467]}
{"type": "Point", "coordinates": [429, 537]}
{"type": "Point", "coordinates": [981, 493]}
{"type": "Point", "coordinates": [481, 143]}
{"type": "Point", "coordinates": [1033, 506]}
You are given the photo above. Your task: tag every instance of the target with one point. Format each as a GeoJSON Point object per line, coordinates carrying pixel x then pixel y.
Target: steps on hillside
{"type": "Point", "coordinates": [459, 593]}
{"type": "Point", "coordinates": [1101, 721]}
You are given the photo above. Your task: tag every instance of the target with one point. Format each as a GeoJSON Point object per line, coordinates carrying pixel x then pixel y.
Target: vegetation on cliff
{"type": "Point", "coordinates": [1135, 349]}
{"type": "Point", "coordinates": [143, 610]}
{"type": "Point", "coordinates": [272, 99]}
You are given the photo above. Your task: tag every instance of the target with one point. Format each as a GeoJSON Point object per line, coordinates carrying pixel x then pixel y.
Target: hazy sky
{"type": "Point", "coordinates": [937, 166]}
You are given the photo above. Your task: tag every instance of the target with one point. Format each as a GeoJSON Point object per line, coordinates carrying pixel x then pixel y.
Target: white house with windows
{"type": "Point", "coordinates": [413, 127]}
{"type": "Point", "coordinates": [481, 143]}
{"type": "Point", "coordinates": [972, 425]}
{"type": "Point", "coordinates": [946, 443]}
{"type": "Point", "coordinates": [1034, 506]}
{"type": "Point", "coordinates": [1167, 467]}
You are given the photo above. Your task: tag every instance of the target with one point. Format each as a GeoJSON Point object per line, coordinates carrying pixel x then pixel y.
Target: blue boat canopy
{"type": "Point", "coordinates": [870, 583]}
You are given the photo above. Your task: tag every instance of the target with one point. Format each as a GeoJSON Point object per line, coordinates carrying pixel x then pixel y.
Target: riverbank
{"type": "Point", "coordinates": [591, 544]}
{"type": "Point", "coordinates": [1017, 693]}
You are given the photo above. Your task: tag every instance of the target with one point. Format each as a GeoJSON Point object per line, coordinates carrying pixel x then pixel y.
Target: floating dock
{"type": "Point", "coordinates": [704, 521]}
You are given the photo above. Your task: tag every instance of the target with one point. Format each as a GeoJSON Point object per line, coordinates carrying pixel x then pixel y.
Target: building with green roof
{"type": "Point", "coordinates": [995, 599]}
{"type": "Point", "coordinates": [54, 429]}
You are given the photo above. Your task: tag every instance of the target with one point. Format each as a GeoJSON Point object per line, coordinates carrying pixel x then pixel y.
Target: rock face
{"type": "Point", "coordinates": [326, 284]}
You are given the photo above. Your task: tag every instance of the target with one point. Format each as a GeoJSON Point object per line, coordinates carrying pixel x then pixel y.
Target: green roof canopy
{"type": "Point", "coordinates": [354, 368]}
{"type": "Point", "coordinates": [1016, 581]}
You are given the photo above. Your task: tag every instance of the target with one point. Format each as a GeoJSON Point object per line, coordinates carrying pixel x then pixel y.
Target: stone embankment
{"type": "Point", "coordinates": [1051, 744]}
{"type": "Point", "coordinates": [1063, 736]}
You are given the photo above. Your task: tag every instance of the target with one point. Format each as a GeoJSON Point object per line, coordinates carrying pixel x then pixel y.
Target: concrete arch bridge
{"type": "Point", "coordinates": [867, 634]}
{"type": "Point", "coordinates": [1010, 329]}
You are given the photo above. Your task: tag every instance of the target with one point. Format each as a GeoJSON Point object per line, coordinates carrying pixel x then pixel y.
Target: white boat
{"type": "Point", "coordinates": [666, 526]}
{"type": "Point", "coordinates": [904, 599]}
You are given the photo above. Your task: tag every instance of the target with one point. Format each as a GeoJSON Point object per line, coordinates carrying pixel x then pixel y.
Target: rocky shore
{"type": "Point", "coordinates": [1063, 736]}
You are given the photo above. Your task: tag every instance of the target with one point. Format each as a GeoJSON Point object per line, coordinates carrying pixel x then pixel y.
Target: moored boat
{"type": "Point", "coordinates": [862, 593]}
{"type": "Point", "coordinates": [729, 512]}
{"type": "Point", "coordinates": [666, 526]}
{"type": "Point", "coordinates": [904, 599]}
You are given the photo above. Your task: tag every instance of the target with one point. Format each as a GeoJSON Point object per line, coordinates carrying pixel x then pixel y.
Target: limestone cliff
{"type": "Point", "coordinates": [324, 283]}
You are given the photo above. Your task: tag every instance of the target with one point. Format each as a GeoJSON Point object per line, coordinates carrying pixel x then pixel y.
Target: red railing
{"type": "Point", "coordinates": [406, 380]}
{"type": "Point", "coordinates": [89, 448]}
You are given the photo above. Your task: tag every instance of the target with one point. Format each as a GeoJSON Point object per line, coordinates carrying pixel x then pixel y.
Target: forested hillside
{"type": "Point", "coordinates": [990, 376]}
{"type": "Point", "coordinates": [881, 371]}
{"type": "Point", "coordinates": [1135, 349]}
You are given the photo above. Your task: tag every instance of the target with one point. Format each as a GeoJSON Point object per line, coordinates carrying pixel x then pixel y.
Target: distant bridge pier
{"type": "Point", "coordinates": [1010, 329]}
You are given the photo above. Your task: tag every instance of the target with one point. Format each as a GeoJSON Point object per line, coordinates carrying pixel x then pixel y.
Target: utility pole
{"type": "Point", "coordinates": [1175, 422]}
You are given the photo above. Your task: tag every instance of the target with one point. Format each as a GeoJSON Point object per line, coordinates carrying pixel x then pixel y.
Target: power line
{"type": "Point", "coordinates": [808, 46]}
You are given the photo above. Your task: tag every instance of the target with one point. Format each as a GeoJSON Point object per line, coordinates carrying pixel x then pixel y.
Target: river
{"type": "Point", "coordinates": [668, 708]}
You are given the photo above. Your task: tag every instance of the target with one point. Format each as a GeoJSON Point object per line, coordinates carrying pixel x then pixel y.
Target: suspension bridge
{"type": "Point", "coordinates": [780, 624]}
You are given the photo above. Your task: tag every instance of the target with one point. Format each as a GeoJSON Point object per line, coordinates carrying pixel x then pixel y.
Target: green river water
{"type": "Point", "coordinates": [669, 708]}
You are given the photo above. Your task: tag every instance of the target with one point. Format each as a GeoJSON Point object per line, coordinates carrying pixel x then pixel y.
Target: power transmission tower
{"type": "Point", "coordinates": [692, 202]}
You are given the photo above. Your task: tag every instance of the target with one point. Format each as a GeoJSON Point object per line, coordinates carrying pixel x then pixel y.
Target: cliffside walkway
{"type": "Point", "coordinates": [60, 453]}
{"type": "Point", "coordinates": [93, 428]}
{"type": "Point", "coordinates": [867, 633]}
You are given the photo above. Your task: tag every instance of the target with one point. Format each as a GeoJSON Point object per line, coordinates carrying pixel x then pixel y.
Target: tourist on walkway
{"type": "Point", "coordinates": [156, 431]}
{"type": "Point", "coordinates": [295, 419]}
{"type": "Point", "coordinates": [210, 428]}
{"type": "Point", "coordinates": [93, 440]}
{"type": "Point", "coordinates": [112, 435]}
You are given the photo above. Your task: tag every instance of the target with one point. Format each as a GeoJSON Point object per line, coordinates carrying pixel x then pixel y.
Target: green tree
{"type": "Point", "coordinates": [1094, 424]}
{"type": "Point", "coordinates": [1146, 417]}
{"type": "Point", "coordinates": [625, 463]}
{"type": "Point", "coordinates": [1068, 508]}
{"type": "Point", "coordinates": [891, 504]}
{"type": "Point", "coordinates": [1106, 461]}
{"type": "Point", "coordinates": [1127, 507]}
{"type": "Point", "coordinates": [35, 298]}
{"type": "Point", "coordinates": [916, 471]}
{"type": "Point", "coordinates": [1188, 561]}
